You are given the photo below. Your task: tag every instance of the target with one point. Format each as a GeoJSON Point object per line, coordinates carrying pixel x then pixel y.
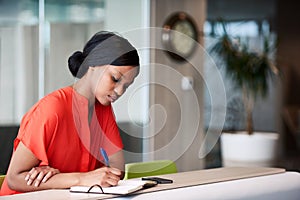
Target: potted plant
{"type": "Point", "coordinates": [250, 72]}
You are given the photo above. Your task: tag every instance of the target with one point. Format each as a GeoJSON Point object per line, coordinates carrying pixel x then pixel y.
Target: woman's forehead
{"type": "Point", "coordinates": [125, 70]}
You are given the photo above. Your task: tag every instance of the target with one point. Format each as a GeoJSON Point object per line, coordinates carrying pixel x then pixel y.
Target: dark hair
{"type": "Point", "coordinates": [102, 49]}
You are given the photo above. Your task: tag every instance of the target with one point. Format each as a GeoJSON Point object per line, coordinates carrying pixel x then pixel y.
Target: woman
{"type": "Point", "coordinates": [59, 140]}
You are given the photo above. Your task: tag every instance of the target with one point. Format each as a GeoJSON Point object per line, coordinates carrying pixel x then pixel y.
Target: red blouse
{"type": "Point", "coordinates": [57, 131]}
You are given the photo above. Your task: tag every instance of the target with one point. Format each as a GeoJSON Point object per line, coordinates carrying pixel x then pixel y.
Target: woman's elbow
{"type": "Point", "coordinates": [13, 182]}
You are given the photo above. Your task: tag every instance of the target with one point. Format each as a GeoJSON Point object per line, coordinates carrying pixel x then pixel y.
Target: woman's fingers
{"type": "Point", "coordinates": [113, 176]}
{"type": "Point", "coordinates": [49, 175]}
{"type": "Point", "coordinates": [32, 176]}
{"type": "Point", "coordinates": [112, 182]}
{"type": "Point", "coordinates": [40, 175]}
{"type": "Point", "coordinates": [29, 174]}
{"type": "Point", "coordinates": [39, 179]}
{"type": "Point", "coordinates": [114, 171]}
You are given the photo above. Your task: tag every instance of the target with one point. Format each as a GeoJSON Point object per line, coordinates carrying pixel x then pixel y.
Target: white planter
{"type": "Point", "coordinates": [241, 149]}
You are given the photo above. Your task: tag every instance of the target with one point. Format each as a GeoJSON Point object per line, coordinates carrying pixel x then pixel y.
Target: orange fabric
{"type": "Point", "coordinates": [57, 131]}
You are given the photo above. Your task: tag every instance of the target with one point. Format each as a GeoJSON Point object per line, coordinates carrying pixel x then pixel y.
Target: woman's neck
{"type": "Point", "coordinates": [83, 87]}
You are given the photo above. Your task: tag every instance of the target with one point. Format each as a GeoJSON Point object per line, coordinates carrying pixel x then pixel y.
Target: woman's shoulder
{"type": "Point", "coordinates": [55, 102]}
{"type": "Point", "coordinates": [57, 98]}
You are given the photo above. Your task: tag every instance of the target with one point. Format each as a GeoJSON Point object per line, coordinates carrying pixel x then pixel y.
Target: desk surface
{"type": "Point", "coordinates": [276, 186]}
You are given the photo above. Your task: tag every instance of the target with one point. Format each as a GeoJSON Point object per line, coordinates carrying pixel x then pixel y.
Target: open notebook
{"type": "Point", "coordinates": [123, 187]}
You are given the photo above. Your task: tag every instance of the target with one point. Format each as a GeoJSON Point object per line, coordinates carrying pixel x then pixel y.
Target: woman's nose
{"type": "Point", "coordinates": [120, 90]}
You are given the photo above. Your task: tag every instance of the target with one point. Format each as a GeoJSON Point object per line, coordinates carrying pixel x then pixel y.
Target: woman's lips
{"type": "Point", "coordinates": [112, 98]}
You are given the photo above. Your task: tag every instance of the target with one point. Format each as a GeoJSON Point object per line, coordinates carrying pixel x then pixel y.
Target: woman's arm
{"type": "Point", "coordinates": [23, 160]}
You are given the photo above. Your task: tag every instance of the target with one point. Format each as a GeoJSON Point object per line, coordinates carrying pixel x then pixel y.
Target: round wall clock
{"type": "Point", "coordinates": [180, 36]}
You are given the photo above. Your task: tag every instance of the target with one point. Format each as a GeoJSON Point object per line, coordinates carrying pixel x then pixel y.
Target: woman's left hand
{"type": "Point", "coordinates": [40, 174]}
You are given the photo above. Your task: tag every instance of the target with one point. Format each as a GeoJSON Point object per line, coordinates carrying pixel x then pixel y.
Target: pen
{"type": "Point", "coordinates": [104, 155]}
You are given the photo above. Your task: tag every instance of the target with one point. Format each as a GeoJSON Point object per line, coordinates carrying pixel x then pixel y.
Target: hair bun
{"type": "Point", "coordinates": [74, 62]}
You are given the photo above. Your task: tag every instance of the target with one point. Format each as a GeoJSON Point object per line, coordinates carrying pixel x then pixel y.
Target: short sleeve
{"type": "Point", "coordinates": [36, 131]}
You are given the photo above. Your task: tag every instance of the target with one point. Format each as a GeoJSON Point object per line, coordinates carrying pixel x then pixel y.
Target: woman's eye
{"type": "Point", "coordinates": [115, 79]}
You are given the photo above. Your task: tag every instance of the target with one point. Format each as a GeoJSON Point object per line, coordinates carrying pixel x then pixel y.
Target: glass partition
{"type": "Point", "coordinates": [18, 60]}
{"type": "Point", "coordinates": [35, 44]}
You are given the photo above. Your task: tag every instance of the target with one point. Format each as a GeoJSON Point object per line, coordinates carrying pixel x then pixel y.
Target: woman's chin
{"type": "Point", "coordinates": [105, 102]}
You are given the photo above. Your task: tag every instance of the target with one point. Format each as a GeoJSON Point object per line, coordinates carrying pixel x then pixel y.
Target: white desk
{"type": "Point", "coordinates": [277, 186]}
{"type": "Point", "coordinates": [274, 187]}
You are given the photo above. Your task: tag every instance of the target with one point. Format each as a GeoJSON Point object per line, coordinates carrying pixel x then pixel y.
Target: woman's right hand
{"type": "Point", "coordinates": [104, 176]}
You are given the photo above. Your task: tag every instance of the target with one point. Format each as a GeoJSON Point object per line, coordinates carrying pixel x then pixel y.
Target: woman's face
{"type": "Point", "coordinates": [113, 82]}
